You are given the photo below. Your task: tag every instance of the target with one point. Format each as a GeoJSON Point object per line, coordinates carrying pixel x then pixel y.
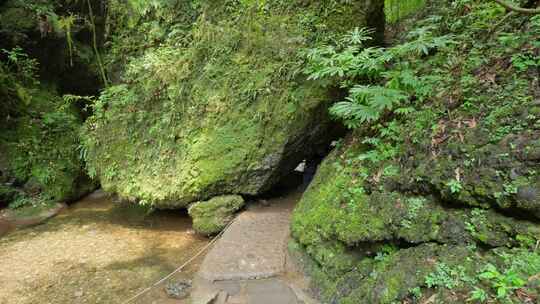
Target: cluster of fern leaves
{"type": "Point", "coordinates": [379, 80]}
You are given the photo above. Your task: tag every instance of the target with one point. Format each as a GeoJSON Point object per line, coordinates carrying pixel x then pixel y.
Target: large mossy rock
{"type": "Point", "coordinates": [226, 112]}
{"type": "Point", "coordinates": [367, 241]}
{"type": "Point", "coordinates": [210, 217]}
{"type": "Point", "coordinates": [440, 206]}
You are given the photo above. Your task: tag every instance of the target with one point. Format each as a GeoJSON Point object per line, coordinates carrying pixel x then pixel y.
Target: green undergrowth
{"type": "Point", "coordinates": [40, 160]}
{"type": "Point", "coordinates": [226, 105]}
{"type": "Point", "coordinates": [397, 10]}
{"type": "Point", "coordinates": [434, 195]}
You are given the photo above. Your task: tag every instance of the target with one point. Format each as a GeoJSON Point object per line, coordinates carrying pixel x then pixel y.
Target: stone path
{"type": "Point", "coordinates": [248, 265]}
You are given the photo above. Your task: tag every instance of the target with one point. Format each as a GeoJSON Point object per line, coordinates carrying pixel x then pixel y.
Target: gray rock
{"type": "Point", "coordinates": [178, 290]}
{"type": "Point", "coordinates": [271, 291]}
{"type": "Point", "coordinates": [528, 198]}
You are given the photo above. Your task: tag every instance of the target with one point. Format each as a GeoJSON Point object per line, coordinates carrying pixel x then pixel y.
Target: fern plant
{"type": "Point", "coordinates": [366, 104]}
{"type": "Point", "coordinates": [350, 61]}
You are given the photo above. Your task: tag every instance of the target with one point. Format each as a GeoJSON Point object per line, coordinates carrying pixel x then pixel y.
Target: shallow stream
{"type": "Point", "coordinates": [96, 252]}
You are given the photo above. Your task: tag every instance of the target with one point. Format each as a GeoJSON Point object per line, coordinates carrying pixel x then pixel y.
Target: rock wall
{"type": "Point", "coordinates": [443, 207]}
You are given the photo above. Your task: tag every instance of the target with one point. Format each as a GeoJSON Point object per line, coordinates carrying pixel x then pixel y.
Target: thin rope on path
{"type": "Point", "coordinates": [212, 242]}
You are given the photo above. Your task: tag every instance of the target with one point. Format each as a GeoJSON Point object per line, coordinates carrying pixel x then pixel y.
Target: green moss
{"type": "Point", "coordinates": [467, 178]}
{"type": "Point", "coordinates": [210, 217]}
{"type": "Point", "coordinates": [385, 280]}
{"type": "Point", "coordinates": [17, 19]}
{"type": "Point", "coordinates": [225, 113]}
{"type": "Point", "coordinates": [40, 146]}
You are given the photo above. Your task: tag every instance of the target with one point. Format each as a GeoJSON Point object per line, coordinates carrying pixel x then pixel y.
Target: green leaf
{"type": "Point", "coordinates": [501, 292]}
{"type": "Point", "coordinates": [23, 94]}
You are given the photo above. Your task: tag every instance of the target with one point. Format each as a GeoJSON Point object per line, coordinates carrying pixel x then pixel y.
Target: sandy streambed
{"type": "Point", "coordinates": [96, 252]}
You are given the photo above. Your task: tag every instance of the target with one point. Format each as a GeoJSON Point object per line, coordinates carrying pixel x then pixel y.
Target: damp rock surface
{"type": "Point", "coordinates": [249, 264]}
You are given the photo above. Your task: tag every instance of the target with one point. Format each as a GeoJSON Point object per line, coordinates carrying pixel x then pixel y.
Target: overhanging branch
{"type": "Point", "coordinates": [531, 11]}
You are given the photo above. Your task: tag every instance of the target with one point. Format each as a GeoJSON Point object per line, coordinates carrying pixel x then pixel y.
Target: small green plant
{"type": "Point", "coordinates": [504, 283]}
{"type": "Point", "coordinates": [414, 205]}
{"type": "Point", "coordinates": [479, 295]}
{"type": "Point", "coordinates": [416, 292]}
{"type": "Point", "coordinates": [510, 189]}
{"type": "Point", "coordinates": [470, 227]}
{"type": "Point", "coordinates": [367, 104]}
{"type": "Point", "coordinates": [524, 61]}
{"type": "Point", "coordinates": [442, 277]}
{"type": "Point", "coordinates": [478, 218]}
{"type": "Point", "coordinates": [21, 201]}
{"type": "Point", "coordinates": [22, 65]}
{"type": "Point", "coordinates": [448, 277]}
{"type": "Point", "coordinates": [385, 251]}
{"type": "Point", "coordinates": [479, 215]}
{"type": "Point", "coordinates": [455, 186]}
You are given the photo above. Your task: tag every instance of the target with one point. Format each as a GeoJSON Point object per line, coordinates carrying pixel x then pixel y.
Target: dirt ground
{"type": "Point", "coordinates": [96, 252]}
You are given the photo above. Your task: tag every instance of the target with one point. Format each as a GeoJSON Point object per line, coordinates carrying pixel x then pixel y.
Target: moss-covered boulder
{"type": "Point", "coordinates": [439, 205]}
{"type": "Point", "coordinates": [428, 272]}
{"type": "Point", "coordinates": [210, 217]}
{"type": "Point", "coordinates": [225, 112]}
{"type": "Point", "coordinates": [333, 206]}
{"type": "Point", "coordinates": [380, 245]}
{"type": "Point", "coordinates": [481, 170]}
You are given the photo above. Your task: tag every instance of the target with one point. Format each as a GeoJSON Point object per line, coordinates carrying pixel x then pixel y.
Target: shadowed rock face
{"type": "Point", "coordinates": [226, 114]}
{"type": "Point", "coordinates": [21, 25]}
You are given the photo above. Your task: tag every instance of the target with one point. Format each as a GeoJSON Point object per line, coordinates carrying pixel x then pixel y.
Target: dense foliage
{"type": "Point", "coordinates": [39, 156]}
{"type": "Point", "coordinates": [39, 139]}
{"type": "Point", "coordinates": [409, 207]}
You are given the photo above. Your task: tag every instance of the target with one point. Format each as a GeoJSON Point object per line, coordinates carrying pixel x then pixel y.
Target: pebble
{"type": "Point", "coordinates": [178, 290]}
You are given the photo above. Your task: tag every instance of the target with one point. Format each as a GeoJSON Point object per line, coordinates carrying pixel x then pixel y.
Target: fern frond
{"type": "Point", "coordinates": [358, 36]}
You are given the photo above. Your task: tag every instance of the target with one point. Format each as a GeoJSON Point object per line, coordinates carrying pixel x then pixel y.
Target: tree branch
{"type": "Point", "coordinates": [531, 11]}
